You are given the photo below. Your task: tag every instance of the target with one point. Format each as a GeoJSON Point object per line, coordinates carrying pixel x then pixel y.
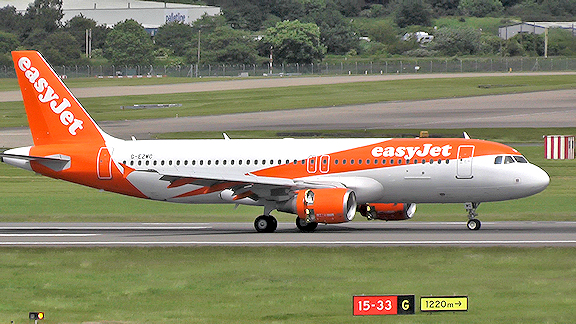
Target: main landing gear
{"type": "Point", "coordinates": [265, 224]}
{"type": "Point", "coordinates": [473, 223]}
{"type": "Point", "coordinates": [305, 226]}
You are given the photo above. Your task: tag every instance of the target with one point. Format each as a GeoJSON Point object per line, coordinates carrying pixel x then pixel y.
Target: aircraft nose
{"type": "Point", "coordinates": [538, 179]}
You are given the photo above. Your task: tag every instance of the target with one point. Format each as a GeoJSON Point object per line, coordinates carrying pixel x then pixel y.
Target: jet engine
{"type": "Point", "coordinates": [387, 212]}
{"type": "Point", "coordinates": [329, 205]}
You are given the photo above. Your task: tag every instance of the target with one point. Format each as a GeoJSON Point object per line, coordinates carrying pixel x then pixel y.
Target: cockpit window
{"type": "Point", "coordinates": [520, 159]}
{"type": "Point", "coordinates": [510, 159]}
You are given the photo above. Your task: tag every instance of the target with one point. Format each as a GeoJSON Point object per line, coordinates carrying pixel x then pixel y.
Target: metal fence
{"type": "Point", "coordinates": [392, 66]}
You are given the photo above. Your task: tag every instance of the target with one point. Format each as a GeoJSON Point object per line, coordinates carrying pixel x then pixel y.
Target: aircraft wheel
{"type": "Point", "coordinates": [265, 224]}
{"type": "Point", "coordinates": [305, 227]}
{"type": "Point", "coordinates": [473, 224]}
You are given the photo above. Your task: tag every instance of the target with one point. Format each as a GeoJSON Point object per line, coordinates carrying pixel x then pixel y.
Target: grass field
{"type": "Point", "coordinates": [282, 285]}
{"type": "Point", "coordinates": [236, 101]}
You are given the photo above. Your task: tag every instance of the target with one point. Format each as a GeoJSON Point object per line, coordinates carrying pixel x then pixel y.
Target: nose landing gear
{"type": "Point", "coordinates": [473, 223]}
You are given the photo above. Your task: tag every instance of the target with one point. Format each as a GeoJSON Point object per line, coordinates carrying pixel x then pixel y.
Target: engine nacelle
{"type": "Point", "coordinates": [329, 205]}
{"type": "Point", "coordinates": [387, 211]}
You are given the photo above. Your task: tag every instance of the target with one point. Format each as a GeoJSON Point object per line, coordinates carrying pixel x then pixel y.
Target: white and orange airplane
{"type": "Point", "coordinates": [319, 180]}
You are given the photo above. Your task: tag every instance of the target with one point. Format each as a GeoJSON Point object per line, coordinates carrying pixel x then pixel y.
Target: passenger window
{"type": "Point", "coordinates": [352, 161]}
{"type": "Point", "coordinates": [201, 162]}
{"type": "Point", "coordinates": [498, 160]}
{"type": "Point", "coordinates": [447, 161]}
{"type": "Point", "coordinates": [216, 162]}
{"type": "Point", "coordinates": [367, 161]}
{"type": "Point", "coordinates": [359, 161]}
{"type": "Point", "coordinates": [209, 162]}
{"type": "Point", "coordinates": [344, 161]}
{"type": "Point", "coordinates": [335, 161]}
{"type": "Point", "coordinates": [508, 159]}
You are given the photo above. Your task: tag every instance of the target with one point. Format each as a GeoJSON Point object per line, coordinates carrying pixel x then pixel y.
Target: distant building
{"type": "Point", "coordinates": [538, 28]}
{"type": "Point", "coordinates": [109, 12]}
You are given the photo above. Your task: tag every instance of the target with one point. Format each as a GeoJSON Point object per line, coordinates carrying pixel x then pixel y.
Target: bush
{"type": "Point", "coordinates": [456, 41]}
{"type": "Point", "coordinates": [413, 12]}
{"type": "Point", "coordinates": [480, 8]}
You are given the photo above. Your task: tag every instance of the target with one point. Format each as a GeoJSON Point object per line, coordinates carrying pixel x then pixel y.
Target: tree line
{"type": "Point", "coordinates": [289, 31]}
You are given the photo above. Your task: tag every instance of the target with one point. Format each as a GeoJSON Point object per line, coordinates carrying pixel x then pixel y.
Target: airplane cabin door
{"type": "Point", "coordinates": [325, 163]}
{"type": "Point", "coordinates": [104, 164]}
{"type": "Point", "coordinates": [311, 164]}
{"type": "Point", "coordinates": [464, 163]}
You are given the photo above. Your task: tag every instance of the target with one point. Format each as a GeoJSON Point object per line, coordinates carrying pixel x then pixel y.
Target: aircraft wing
{"type": "Point", "coordinates": [245, 185]}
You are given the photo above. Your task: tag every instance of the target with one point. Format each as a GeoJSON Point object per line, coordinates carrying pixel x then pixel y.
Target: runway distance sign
{"type": "Point", "coordinates": [444, 304]}
{"type": "Point", "coordinates": [384, 305]}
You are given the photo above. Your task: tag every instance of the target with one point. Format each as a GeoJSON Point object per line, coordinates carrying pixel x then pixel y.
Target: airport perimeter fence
{"type": "Point", "coordinates": [393, 66]}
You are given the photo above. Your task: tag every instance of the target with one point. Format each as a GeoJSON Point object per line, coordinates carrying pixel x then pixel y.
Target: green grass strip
{"type": "Point", "coordinates": [282, 284]}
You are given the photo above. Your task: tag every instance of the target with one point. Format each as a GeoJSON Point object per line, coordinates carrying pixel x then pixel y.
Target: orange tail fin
{"type": "Point", "coordinates": [54, 114]}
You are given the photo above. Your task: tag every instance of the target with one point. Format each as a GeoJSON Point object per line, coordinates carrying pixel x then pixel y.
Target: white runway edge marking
{"type": "Point", "coordinates": [47, 235]}
{"type": "Point", "coordinates": [310, 243]}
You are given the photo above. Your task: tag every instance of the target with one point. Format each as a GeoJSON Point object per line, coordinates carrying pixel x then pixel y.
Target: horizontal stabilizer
{"type": "Point", "coordinates": [57, 162]}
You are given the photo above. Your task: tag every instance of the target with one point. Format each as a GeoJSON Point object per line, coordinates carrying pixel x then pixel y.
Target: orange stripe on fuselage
{"type": "Point", "coordinates": [399, 150]}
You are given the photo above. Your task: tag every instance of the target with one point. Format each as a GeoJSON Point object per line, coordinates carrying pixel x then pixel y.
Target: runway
{"type": "Point", "coordinates": [377, 234]}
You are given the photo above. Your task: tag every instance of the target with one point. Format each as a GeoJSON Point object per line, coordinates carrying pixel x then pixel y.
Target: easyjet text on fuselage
{"type": "Point", "coordinates": [408, 152]}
